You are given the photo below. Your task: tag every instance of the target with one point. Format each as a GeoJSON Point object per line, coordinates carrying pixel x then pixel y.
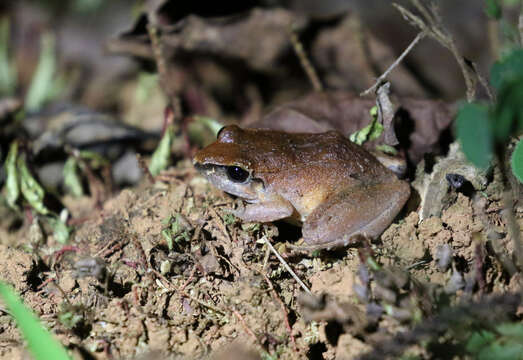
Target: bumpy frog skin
{"type": "Point", "coordinates": [334, 187]}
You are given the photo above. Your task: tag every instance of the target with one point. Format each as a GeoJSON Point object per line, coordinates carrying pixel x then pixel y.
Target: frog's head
{"type": "Point", "coordinates": [228, 163]}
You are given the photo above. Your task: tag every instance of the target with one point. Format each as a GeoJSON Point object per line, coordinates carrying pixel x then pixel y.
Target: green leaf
{"type": "Point", "coordinates": [474, 132]}
{"type": "Point", "coordinates": [493, 9]}
{"type": "Point", "coordinates": [7, 68]}
{"type": "Point", "coordinates": [507, 69]}
{"type": "Point", "coordinates": [61, 231]}
{"type": "Point", "coordinates": [95, 159]}
{"type": "Point", "coordinates": [514, 330]}
{"type": "Point", "coordinates": [211, 123]}
{"type": "Point", "coordinates": [146, 84]}
{"type": "Point", "coordinates": [369, 132]}
{"type": "Point", "coordinates": [516, 161]}
{"type": "Point", "coordinates": [162, 154]}
{"type": "Point", "coordinates": [203, 130]}
{"type": "Point", "coordinates": [387, 149]}
{"type": "Point", "coordinates": [511, 351]}
{"type": "Point", "coordinates": [44, 86]}
{"type": "Point", "coordinates": [40, 342]}
{"type": "Point", "coordinates": [72, 180]}
{"type": "Point", "coordinates": [31, 189]}
{"type": "Point", "coordinates": [479, 340]}
{"type": "Point", "coordinates": [70, 319]}
{"type": "Point", "coordinates": [166, 233]}
{"type": "Point", "coordinates": [508, 112]}
{"type": "Point", "coordinates": [11, 183]}
{"type": "Point", "coordinates": [87, 6]}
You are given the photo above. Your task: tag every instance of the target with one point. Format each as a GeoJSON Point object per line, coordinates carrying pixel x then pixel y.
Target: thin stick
{"type": "Point", "coordinates": [191, 276]}
{"type": "Point", "coordinates": [182, 293]}
{"type": "Point", "coordinates": [283, 308]}
{"type": "Point", "coordinates": [144, 168]}
{"type": "Point", "coordinates": [484, 82]}
{"type": "Point", "coordinates": [305, 62]}
{"type": "Point", "coordinates": [436, 30]}
{"type": "Point", "coordinates": [412, 266]}
{"type": "Point", "coordinates": [379, 80]}
{"type": "Point", "coordinates": [286, 266]}
{"type": "Point", "coordinates": [161, 65]}
{"type": "Point", "coordinates": [245, 327]}
{"type": "Point", "coordinates": [219, 223]}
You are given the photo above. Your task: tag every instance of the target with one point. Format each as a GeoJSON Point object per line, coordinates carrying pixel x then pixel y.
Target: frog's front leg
{"type": "Point", "coordinates": [265, 211]}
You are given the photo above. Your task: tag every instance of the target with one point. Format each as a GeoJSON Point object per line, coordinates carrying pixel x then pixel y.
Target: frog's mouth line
{"type": "Point", "coordinates": [217, 175]}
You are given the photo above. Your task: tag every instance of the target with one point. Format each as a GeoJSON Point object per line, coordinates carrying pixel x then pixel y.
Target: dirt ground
{"type": "Point", "coordinates": [117, 291]}
{"type": "Point", "coordinates": [159, 268]}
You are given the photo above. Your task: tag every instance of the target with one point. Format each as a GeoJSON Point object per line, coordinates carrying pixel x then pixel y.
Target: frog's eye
{"type": "Point", "coordinates": [219, 132]}
{"type": "Point", "coordinates": [237, 174]}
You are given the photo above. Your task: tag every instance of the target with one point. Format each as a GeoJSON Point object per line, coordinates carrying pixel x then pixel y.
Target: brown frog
{"type": "Point", "coordinates": [334, 187]}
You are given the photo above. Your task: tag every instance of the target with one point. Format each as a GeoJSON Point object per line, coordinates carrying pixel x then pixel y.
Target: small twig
{"type": "Point", "coordinates": [484, 83]}
{"type": "Point", "coordinates": [45, 283]}
{"type": "Point", "coordinates": [219, 223]}
{"type": "Point", "coordinates": [283, 308]}
{"type": "Point", "coordinates": [217, 255]}
{"type": "Point", "coordinates": [117, 245]}
{"type": "Point", "coordinates": [432, 25]}
{"type": "Point", "coordinates": [478, 266]}
{"type": "Point", "coordinates": [304, 61]}
{"type": "Point", "coordinates": [379, 80]}
{"type": "Point", "coordinates": [145, 169]}
{"type": "Point", "coordinates": [244, 325]}
{"type": "Point", "coordinates": [286, 266]}
{"type": "Point", "coordinates": [266, 258]}
{"type": "Point", "coordinates": [130, 263]}
{"type": "Point", "coordinates": [58, 254]}
{"type": "Point", "coordinates": [182, 293]}
{"type": "Point", "coordinates": [53, 281]}
{"type": "Point", "coordinates": [416, 264]}
{"type": "Point", "coordinates": [157, 47]}
{"type": "Point", "coordinates": [189, 279]}
{"type": "Point", "coordinates": [141, 252]}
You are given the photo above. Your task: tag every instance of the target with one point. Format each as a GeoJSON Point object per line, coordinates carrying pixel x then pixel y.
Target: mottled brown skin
{"type": "Point", "coordinates": [333, 186]}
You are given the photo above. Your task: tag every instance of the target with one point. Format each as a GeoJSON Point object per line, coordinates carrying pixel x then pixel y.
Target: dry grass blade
{"type": "Point", "coordinates": [305, 62]}
{"type": "Point", "coordinates": [286, 266]}
{"type": "Point", "coordinates": [383, 76]}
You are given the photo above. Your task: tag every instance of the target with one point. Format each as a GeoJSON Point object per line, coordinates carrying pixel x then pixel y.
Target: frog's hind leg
{"type": "Point", "coordinates": [363, 210]}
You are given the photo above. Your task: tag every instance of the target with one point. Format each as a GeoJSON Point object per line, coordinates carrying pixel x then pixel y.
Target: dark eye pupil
{"type": "Point", "coordinates": [237, 174]}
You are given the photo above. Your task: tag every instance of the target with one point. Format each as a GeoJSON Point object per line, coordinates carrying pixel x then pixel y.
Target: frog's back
{"type": "Point", "coordinates": [307, 169]}
{"type": "Point", "coordinates": [323, 156]}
